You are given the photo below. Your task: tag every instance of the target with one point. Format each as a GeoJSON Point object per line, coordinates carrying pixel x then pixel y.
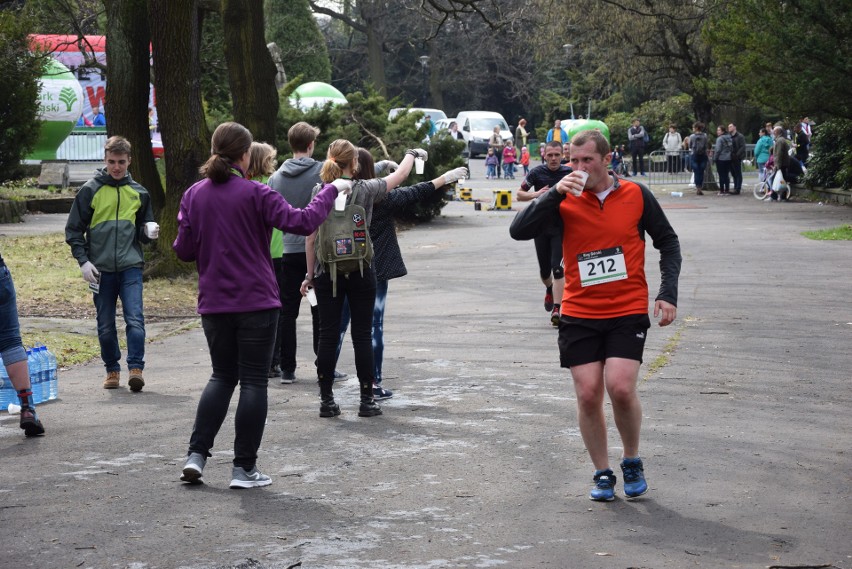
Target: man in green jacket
{"type": "Point", "coordinates": [110, 219]}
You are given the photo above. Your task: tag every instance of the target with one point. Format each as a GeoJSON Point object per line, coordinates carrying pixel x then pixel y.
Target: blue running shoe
{"type": "Point", "coordinates": [604, 490]}
{"type": "Point", "coordinates": [634, 477]}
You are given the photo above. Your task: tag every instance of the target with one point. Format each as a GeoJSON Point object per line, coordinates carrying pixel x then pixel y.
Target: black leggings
{"type": "Point", "coordinates": [361, 294]}
{"type": "Point", "coordinates": [723, 167]}
{"type": "Point", "coordinates": [241, 351]}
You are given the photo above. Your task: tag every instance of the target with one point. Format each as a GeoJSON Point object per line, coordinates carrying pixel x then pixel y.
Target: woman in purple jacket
{"type": "Point", "coordinates": [224, 225]}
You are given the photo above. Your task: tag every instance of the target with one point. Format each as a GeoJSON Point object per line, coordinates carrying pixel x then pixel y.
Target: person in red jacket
{"type": "Point", "coordinates": [604, 316]}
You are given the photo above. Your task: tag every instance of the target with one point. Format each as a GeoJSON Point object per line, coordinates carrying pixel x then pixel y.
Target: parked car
{"type": "Point", "coordinates": [477, 126]}
{"type": "Point", "coordinates": [444, 124]}
{"type": "Point", "coordinates": [435, 114]}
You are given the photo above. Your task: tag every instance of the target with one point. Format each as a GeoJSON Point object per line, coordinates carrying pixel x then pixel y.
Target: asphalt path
{"type": "Point", "coordinates": [477, 460]}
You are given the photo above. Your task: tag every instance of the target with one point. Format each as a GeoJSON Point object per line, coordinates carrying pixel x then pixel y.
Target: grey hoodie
{"type": "Point", "coordinates": [295, 179]}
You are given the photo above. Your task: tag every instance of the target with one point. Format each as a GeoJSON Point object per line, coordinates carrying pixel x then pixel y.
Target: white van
{"type": "Point", "coordinates": [478, 126]}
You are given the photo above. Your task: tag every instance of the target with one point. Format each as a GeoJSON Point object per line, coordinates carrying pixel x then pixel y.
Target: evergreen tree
{"type": "Point", "coordinates": [19, 102]}
{"type": "Point", "coordinates": [291, 25]}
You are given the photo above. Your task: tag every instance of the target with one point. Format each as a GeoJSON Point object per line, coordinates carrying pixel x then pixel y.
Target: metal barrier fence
{"type": "Point", "coordinates": [658, 166]}
{"type": "Point", "coordinates": [83, 144]}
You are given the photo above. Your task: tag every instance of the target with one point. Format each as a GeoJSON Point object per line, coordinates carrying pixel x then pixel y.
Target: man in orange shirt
{"type": "Point", "coordinates": [605, 304]}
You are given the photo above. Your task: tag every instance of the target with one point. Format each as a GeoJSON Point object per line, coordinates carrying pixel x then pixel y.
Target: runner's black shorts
{"type": "Point", "coordinates": [587, 340]}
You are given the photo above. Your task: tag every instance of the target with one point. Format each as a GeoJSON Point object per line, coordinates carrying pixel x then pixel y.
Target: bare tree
{"type": "Point", "coordinates": [478, 50]}
{"type": "Point", "coordinates": [369, 16]}
{"type": "Point", "coordinates": [656, 46]}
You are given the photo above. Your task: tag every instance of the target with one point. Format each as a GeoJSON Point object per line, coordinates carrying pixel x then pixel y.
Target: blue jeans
{"type": "Point", "coordinates": [378, 328]}
{"type": "Point", "coordinates": [241, 352]}
{"type": "Point", "coordinates": [491, 170]}
{"type": "Point", "coordinates": [699, 163]}
{"type": "Point", "coordinates": [11, 347]}
{"type": "Point", "coordinates": [126, 285]}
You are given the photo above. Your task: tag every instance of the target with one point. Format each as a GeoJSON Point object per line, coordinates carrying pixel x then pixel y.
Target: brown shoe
{"type": "Point", "coordinates": [136, 383]}
{"type": "Point", "coordinates": [111, 381]}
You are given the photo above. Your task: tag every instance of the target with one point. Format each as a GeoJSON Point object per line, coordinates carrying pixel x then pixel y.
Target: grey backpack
{"type": "Point", "coordinates": [343, 241]}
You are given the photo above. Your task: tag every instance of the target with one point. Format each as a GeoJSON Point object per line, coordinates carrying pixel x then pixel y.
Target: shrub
{"type": "Point", "coordinates": [363, 121]}
{"type": "Point", "coordinates": [830, 160]}
{"type": "Point", "coordinates": [19, 100]}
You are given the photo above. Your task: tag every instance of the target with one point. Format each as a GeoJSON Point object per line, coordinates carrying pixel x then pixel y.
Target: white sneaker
{"type": "Point", "coordinates": [251, 479]}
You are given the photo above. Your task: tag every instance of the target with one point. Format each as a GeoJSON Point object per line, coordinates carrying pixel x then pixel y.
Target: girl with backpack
{"type": "Point", "coordinates": [387, 262]}
{"type": "Point", "coordinates": [357, 286]}
{"type": "Point", "coordinates": [698, 151]}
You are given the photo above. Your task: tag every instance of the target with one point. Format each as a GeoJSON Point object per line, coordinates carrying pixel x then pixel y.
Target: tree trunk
{"type": "Point", "coordinates": [128, 37]}
{"type": "Point", "coordinates": [702, 107]}
{"type": "Point", "coordinates": [375, 61]}
{"type": "Point", "coordinates": [175, 36]}
{"type": "Point", "coordinates": [251, 71]}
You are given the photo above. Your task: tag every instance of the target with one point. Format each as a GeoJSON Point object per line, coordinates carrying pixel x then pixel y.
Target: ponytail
{"type": "Point", "coordinates": [340, 154]}
{"type": "Point", "coordinates": [217, 169]}
{"type": "Point", "coordinates": [330, 171]}
{"type": "Point", "coordinates": [229, 143]}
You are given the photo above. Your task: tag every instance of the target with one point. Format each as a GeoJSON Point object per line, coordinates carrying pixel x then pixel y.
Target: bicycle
{"type": "Point", "coordinates": [622, 169]}
{"type": "Point", "coordinates": [763, 188]}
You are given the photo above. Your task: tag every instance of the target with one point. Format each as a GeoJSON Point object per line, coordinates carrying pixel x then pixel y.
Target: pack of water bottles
{"type": "Point", "coordinates": [44, 377]}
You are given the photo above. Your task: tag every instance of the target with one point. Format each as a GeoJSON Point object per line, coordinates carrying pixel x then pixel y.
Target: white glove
{"type": "Point", "coordinates": [90, 272]}
{"type": "Point", "coordinates": [418, 153]}
{"type": "Point", "coordinates": [388, 166]}
{"type": "Point", "coordinates": [152, 230]}
{"type": "Point", "coordinates": [343, 186]}
{"type": "Point", "coordinates": [454, 176]}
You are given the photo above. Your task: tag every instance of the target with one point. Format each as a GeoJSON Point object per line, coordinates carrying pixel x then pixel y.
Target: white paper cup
{"type": "Point", "coordinates": [151, 227]}
{"type": "Point", "coordinates": [340, 202]}
{"type": "Point", "coordinates": [418, 165]}
{"type": "Point", "coordinates": [312, 297]}
{"type": "Point", "coordinates": [584, 175]}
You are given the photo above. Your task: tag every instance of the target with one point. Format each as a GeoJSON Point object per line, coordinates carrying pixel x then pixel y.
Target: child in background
{"type": "Point", "coordinates": [525, 159]}
{"type": "Point", "coordinates": [491, 165]}
{"type": "Point", "coordinates": [509, 157]}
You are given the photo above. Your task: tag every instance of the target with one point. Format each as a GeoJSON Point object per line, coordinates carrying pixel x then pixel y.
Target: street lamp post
{"type": "Point", "coordinates": [424, 64]}
{"type": "Point", "coordinates": [568, 49]}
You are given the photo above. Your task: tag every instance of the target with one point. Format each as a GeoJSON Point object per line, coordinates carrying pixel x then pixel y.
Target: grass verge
{"type": "Point", "coordinates": [49, 285]}
{"type": "Point", "coordinates": [664, 358]}
{"type": "Point", "coordinates": [842, 233]}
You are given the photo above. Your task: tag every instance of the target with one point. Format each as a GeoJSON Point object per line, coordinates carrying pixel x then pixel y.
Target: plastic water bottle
{"type": "Point", "coordinates": [53, 377]}
{"type": "Point", "coordinates": [7, 391]}
{"type": "Point", "coordinates": [34, 366]}
{"type": "Point", "coordinates": [45, 371]}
